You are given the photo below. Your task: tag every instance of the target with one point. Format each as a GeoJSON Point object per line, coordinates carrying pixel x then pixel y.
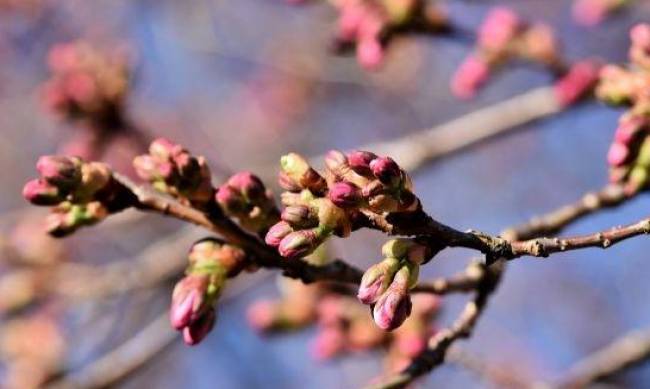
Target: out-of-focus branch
{"type": "Point", "coordinates": [414, 150]}
{"type": "Point", "coordinates": [495, 376]}
{"type": "Point", "coordinates": [161, 260]}
{"type": "Point", "coordinates": [119, 362]}
{"type": "Point", "coordinates": [626, 351]}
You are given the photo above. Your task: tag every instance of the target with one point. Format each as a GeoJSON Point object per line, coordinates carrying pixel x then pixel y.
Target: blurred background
{"type": "Point", "coordinates": [244, 82]}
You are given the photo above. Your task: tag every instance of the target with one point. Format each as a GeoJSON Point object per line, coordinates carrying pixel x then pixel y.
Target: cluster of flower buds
{"type": "Point", "coordinates": [502, 37]}
{"type": "Point", "coordinates": [194, 298]}
{"type": "Point", "coordinates": [86, 84]}
{"type": "Point", "coordinates": [318, 207]}
{"type": "Point", "coordinates": [409, 340]}
{"type": "Point", "coordinates": [629, 154]}
{"type": "Point", "coordinates": [369, 24]}
{"type": "Point", "coordinates": [171, 169]}
{"type": "Point", "coordinates": [386, 285]}
{"type": "Point", "coordinates": [593, 12]}
{"type": "Point", "coordinates": [81, 193]}
{"type": "Point", "coordinates": [245, 197]}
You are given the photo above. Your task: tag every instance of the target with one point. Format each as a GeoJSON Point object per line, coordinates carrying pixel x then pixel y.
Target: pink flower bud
{"type": "Point", "coordinates": [287, 183]}
{"type": "Point", "coordinates": [298, 244]}
{"type": "Point", "coordinates": [60, 171]}
{"type": "Point", "coordinates": [299, 216]}
{"type": "Point", "coordinates": [376, 280]}
{"type": "Point", "coordinates": [336, 162]}
{"type": "Point", "coordinates": [345, 195]}
{"type": "Point", "coordinates": [189, 300]}
{"type": "Point", "coordinates": [469, 77]}
{"type": "Point", "coordinates": [229, 199]}
{"type": "Point", "coordinates": [617, 154]}
{"type": "Point", "coordinates": [392, 309]}
{"type": "Point", "coordinates": [199, 329]}
{"type": "Point", "coordinates": [628, 127]}
{"type": "Point", "coordinates": [39, 192]}
{"type": "Point", "coordinates": [360, 161]}
{"type": "Point", "coordinates": [386, 170]}
{"type": "Point", "coordinates": [577, 83]}
{"type": "Point", "coordinates": [410, 344]}
{"type": "Point", "coordinates": [249, 185]}
{"type": "Point", "coordinates": [498, 28]}
{"type": "Point", "coordinates": [276, 233]}
{"type": "Point", "coordinates": [370, 53]}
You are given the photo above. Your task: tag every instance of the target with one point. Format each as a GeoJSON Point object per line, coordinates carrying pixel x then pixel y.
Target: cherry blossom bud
{"type": "Point", "coordinates": [298, 170]}
{"type": "Point", "coordinates": [287, 183]}
{"type": "Point", "coordinates": [387, 171]}
{"type": "Point", "coordinates": [469, 77]}
{"type": "Point", "coordinates": [370, 53]}
{"type": "Point", "coordinates": [576, 83]}
{"type": "Point", "coordinates": [199, 329]}
{"type": "Point", "coordinates": [64, 172]}
{"type": "Point", "coordinates": [618, 154]}
{"type": "Point", "coordinates": [248, 184]}
{"type": "Point", "coordinates": [498, 28]}
{"type": "Point", "coordinates": [299, 243]}
{"type": "Point", "coordinates": [39, 192]}
{"type": "Point", "coordinates": [376, 280]}
{"type": "Point", "coordinates": [394, 306]}
{"type": "Point", "coordinates": [345, 195]}
{"type": "Point", "coordinates": [299, 216]}
{"type": "Point", "coordinates": [336, 162]}
{"type": "Point", "coordinates": [359, 161]}
{"type": "Point", "coordinates": [229, 199]}
{"type": "Point", "coordinates": [189, 300]}
{"type": "Point", "coordinates": [276, 233]}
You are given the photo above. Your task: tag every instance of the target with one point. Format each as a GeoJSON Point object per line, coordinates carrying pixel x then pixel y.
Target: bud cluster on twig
{"type": "Point", "coordinates": [171, 169]}
{"type": "Point", "coordinates": [369, 25]}
{"type": "Point", "coordinates": [318, 207]}
{"type": "Point", "coordinates": [503, 37]}
{"type": "Point", "coordinates": [86, 84]}
{"type": "Point", "coordinates": [386, 285]}
{"type": "Point", "coordinates": [629, 154]}
{"type": "Point", "coordinates": [80, 193]}
{"type": "Point", "coordinates": [194, 298]}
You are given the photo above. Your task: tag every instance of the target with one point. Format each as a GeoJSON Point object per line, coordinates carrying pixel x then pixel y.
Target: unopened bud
{"type": "Point", "coordinates": [376, 279]}
{"type": "Point", "coordinates": [345, 195]}
{"type": "Point", "coordinates": [276, 233]}
{"type": "Point", "coordinates": [360, 162]}
{"type": "Point", "coordinates": [61, 171]}
{"type": "Point", "coordinates": [298, 244]}
{"type": "Point", "coordinates": [39, 192]}
{"type": "Point", "coordinates": [299, 216]}
{"type": "Point", "coordinates": [199, 329]}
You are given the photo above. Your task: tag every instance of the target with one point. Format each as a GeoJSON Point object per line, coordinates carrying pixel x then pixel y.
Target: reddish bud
{"type": "Point", "coordinates": [328, 343]}
{"type": "Point", "coordinates": [577, 83]}
{"type": "Point", "coordinates": [188, 300]}
{"type": "Point", "coordinates": [299, 216]}
{"type": "Point", "coordinates": [39, 192]}
{"type": "Point", "coordinates": [469, 77]}
{"type": "Point", "coordinates": [199, 329]}
{"type": "Point", "coordinates": [392, 309]}
{"type": "Point", "coordinates": [276, 233]}
{"type": "Point", "coordinates": [229, 199]}
{"type": "Point", "coordinates": [345, 195]}
{"type": "Point", "coordinates": [617, 154]}
{"type": "Point", "coordinates": [60, 171]}
{"type": "Point", "coordinates": [360, 161]}
{"type": "Point", "coordinates": [298, 244]}
{"type": "Point", "coordinates": [386, 170]}
{"type": "Point", "coordinates": [248, 184]}
{"type": "Point", "coordinates": [261, 315]}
